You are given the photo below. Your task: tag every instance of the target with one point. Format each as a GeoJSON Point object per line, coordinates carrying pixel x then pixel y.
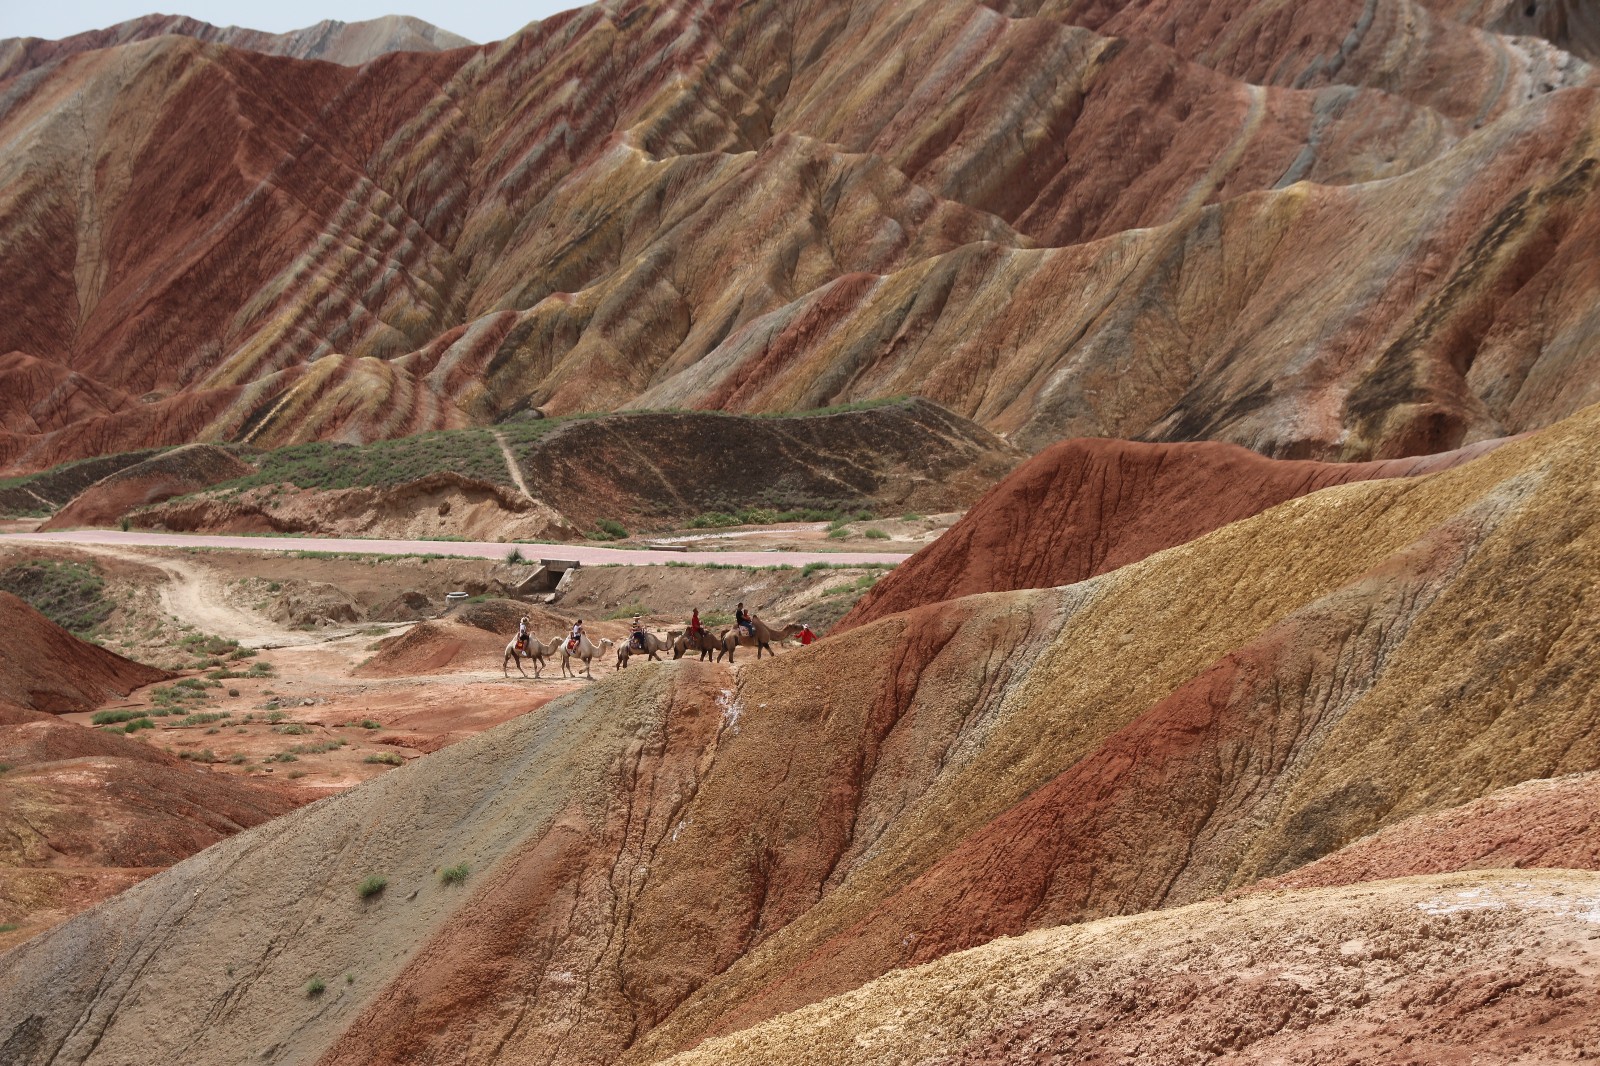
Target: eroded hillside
{"type": "Point", "coordinates": [1345, 230]}
{"type": "Point", "coordinates": [685, 850]}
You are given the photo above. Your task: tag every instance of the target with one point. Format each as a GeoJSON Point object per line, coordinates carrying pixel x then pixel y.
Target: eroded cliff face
{"type": "Point", "coordinates": [686, 851]}
{"type": "Point", "coordinates": [1322, 232]}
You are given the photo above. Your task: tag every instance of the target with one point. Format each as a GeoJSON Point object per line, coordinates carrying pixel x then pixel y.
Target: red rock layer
{"type": "Point", "coordinates": [84, 814]}
{"type": "Point", "coordinates": [48, 669]}
{"type": "Point", "coordinates": [1086, 507]}
{"type": "Point", "coordinates": [1551, 823]}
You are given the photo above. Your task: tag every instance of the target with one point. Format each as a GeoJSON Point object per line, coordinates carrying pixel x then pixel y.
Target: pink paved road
{"type": "Point", "coordinates": [586, 554]}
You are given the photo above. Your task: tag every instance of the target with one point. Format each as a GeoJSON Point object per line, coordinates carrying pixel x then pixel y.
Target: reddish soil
{"type": "Point", "coordinates": [85, 813]}
{"type": "Point", "coordinates": [48, 669]}
{"type": "Point", "coordinates": [1086, 507]}
{"type": "Point", "coordinates": [1548, 823]}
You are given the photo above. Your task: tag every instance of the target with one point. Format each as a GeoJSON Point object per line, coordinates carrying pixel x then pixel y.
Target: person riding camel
{"type": "Point", "coordinates": [522, 634]}
{"type": "Point", "coordinates": [741, 618]}
{"type": "Point", "coordinates": [694, 623]}
{"type": "Point", "coordinates": [575, 638]}
{"type": "Point", "coordinates": [637, 638]}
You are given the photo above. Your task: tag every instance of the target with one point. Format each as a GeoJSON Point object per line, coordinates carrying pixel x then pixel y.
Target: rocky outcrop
{"type": "Point", "coordinates": [442, 504]}
{"type": "Point", "coordinates": [178, 472]}
{"type": "Point", "coordinates": [48, 669]}
{"type": "Point", "coordinates": [686, 851]}
{"type": "Point", "coordinates": [1086, 507]}
{"type": "Point", "coordinates": [752, 207]}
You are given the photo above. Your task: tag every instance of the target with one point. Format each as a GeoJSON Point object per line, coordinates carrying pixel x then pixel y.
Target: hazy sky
{"type": "Point", "coordinates": [478, 20]}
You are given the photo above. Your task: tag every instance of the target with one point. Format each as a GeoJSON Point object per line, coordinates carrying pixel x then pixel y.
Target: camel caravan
{"type": "Point", "coordinates": [747, 631]}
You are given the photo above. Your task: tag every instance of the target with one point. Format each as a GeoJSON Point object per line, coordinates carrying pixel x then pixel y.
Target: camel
{"type": "Point", "coordinates": [705, 642]}
{"type": "Point", "coordinates": [652, 645]}
{"type": "Point", "coordinates": [586, 651]}
{"type": "Point", "coordinates": [538, 652]}
{"type": "Point", "coordinates": [764, 636]}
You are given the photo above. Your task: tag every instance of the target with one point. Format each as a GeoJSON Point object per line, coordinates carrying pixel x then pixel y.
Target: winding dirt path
{"type": "Point", "coordinates": [511, 464]}
{"type": "Point", "coordinates": [198, 596]}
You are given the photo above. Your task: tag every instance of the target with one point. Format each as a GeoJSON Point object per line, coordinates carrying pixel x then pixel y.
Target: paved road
{"type": "Point", "coordinates": [586, 554]}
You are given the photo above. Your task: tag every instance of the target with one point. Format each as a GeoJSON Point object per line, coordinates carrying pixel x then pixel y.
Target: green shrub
{"type": "Point", "coordinates": [876, 534]}
{"type": "Point", "coordinates": [9, 927]}
{"type": "Point", "coordinates": [713, 520]}
{"type": "Point", "coordinates": [515, 556]}
{"type": "Point", "coordinates": [372, 886]}
{"type": "Point", "coordinates": [202, 719]}
{"type": "Point", "coordinates": [611, 529]}
{"type": "Point", "coordinates": [911, 516]}
{"type": "Point", "coordinates": [454, 875]}
{"type": "Point", "coordinates": [315, 987]}
{"type": "Point", "coordinates": [138, 724]}
{"type": "Point", "coordinates": [838, 534]}
{"type": "Point", "coordinates": [4, 766]}
{"type": "Point", "coordinates": [319, 747]}
{"type": "Point", "coordinates": [110, 717]}
{"type": "Point", "coordinates": [368, 723]}
{"type": "Point", "coordinates": [293, 729]}
{"type": "Point", "coordinates": [386, 758]}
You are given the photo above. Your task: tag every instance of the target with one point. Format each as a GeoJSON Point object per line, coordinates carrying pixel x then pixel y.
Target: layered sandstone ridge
{"type": "Point", "coordinates": [685, 851]}
{"type": "Point", "coordinates": [1442, 969]}
{"type": "Point", "coordinates": [348, 43]}
{"type": "Point", "coordinates": [1338, 231]}
{"type": "Point", "coordinates": [1087, 507]}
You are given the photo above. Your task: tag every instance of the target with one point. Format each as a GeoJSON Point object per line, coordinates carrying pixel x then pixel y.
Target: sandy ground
{"type": "Point", "coordinates": [587, 554]}
{"type": "Point", "coordinates": [296, 707]}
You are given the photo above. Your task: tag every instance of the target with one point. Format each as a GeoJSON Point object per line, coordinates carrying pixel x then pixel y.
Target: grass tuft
{"type": "Point", "coordinates": [372, 885]}
{"type": "Point", "coordinates": [454, 875]}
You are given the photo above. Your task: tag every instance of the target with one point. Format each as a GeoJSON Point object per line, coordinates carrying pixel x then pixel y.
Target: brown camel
{"type": "Point", "coordinates": [763, 638]}
{"type": "Point", "coordinates": [627, 649]}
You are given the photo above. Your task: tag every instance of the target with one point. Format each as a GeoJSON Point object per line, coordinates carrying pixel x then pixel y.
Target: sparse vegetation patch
{"type": "Point", "coordinates": [71, 595]}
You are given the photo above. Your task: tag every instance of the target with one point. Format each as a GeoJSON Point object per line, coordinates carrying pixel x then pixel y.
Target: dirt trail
{"type": "Point", "coordinates": [197, 596]}
{"type": "Point", "coordinates": [511, 464]}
